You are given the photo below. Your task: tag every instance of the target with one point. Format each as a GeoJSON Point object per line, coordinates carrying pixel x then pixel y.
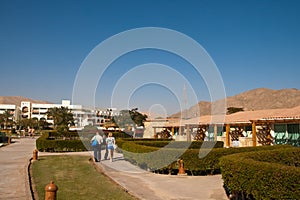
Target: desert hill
{"type": "Point", "coordinates": [16, 100]}
{"type": "Point", "coordinates": [257, 99]}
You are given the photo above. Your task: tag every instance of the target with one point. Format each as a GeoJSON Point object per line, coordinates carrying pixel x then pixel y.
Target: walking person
{"type": "Point", "coordinates": [96, 144]}
{"type": "Point", "coordinates": [105, 146]}
{"type": "Point", "coordinates": [29, 131]}
{"type": "Point", "coordinates": [32, 132]}
{"type": "Point", "coordinates": [110, 142]}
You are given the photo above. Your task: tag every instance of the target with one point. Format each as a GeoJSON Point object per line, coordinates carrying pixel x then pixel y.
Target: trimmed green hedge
{"type": "Point", "coordinates": [60, 145]}
{"type": "Point", "coordinates": [72, 141]}
{"type": "Point", "coordinates": [48, 143]}
{"type": "Point", "coordinates": [273, 174]}
{"type": "Point", "coordinates": [120, 141]}
{"type": "Point", "coordinates": [159, 143]}
{"type": "Point", "coordinates": [180, 144]}
{"type": "Point", "coordinates": [196, 162]}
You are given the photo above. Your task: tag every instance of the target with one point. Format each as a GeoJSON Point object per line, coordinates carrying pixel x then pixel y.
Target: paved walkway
{"type": "Point", "coordinates": [147, 185]}
{"type": "Point", "coordinates": [14, 161]}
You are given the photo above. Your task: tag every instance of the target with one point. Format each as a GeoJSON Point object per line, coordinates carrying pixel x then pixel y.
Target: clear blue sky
{"type": "Point", "coordinates": [43, 44]}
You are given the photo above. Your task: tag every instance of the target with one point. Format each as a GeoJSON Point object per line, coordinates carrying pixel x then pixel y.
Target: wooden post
{"type": "Point", "coordinates": [181, 170]}
{"type": "Point", "coordinates": [173, 131]}
{"type": "Point", "coordinates": [227, 135]}
{"type": "Point", "coordinates": [188, 133]}
{"type": "Point", "coordinates": [254, 133]}
{"type": "Point", "coordinates": [180, 131]}
{"type": "Point", "coordinates": [50, 191]}
{"type": "Point", "coordinates": [35, 155]}
{"type": "Point", "coordinates": [154, 135]}
{"type": "Point", "coordinates": [215, 132]}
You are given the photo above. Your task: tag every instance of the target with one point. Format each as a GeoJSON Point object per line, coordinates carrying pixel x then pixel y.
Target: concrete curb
{"type": "Point", "coordinates": [28, 180]}
{"type": "Point", "coordinates": [33, 192]}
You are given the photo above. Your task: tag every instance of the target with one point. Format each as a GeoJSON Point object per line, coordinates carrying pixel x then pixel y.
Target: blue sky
{"type": "Point", "coordinates": [43, 44]}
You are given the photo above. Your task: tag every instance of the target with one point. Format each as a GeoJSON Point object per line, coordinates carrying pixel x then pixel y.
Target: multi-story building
{"type": "Point", "coordinates": [82, 116]}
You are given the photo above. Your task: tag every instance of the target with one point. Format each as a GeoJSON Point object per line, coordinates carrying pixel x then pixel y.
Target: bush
{"type": "Point", "coordinates": [121, 141]}
{"type": "Point", "coordinates": [196, 162]}
{"type": "Point", "coordinates": [49, 142]}
{"type": "Point", "coordinates": [53, 141]}
{"type": "Point", "coordinates": [181, 144]}
{"type": "Point", "coordinates": [60, 145]}
{"type": "Point", "coordinates": [3, 137]}
{"type": "Point", "coordinates": [272, 174]}
{"type": "Point", "coordinates": [62, 135]}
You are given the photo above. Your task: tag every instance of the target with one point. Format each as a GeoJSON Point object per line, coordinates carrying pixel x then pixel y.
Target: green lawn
{"type": "Point", "coordinates": [75, 177]}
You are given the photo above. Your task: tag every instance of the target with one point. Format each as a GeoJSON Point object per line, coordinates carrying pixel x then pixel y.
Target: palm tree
{"type": "Point", "coordinates": [43, 124]}
{"type": "Point", "coordinates": [62, 118]}
{"type": "Point", "coordinates": [6, 118]}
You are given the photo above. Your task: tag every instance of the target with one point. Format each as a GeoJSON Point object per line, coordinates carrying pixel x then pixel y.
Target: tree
{"type": "Point", "coordinates": [62, 118]}
{"type": "Point", "coordinates": [5, 118]}
{"type": "Point", "coordinates": [24, 123]}
{"type": "Point", "coordinates": [130, 118]}
{"type": "Point", "coordinates": [138, 117]}
{"type": "Point", "coordinates": [43, 124]}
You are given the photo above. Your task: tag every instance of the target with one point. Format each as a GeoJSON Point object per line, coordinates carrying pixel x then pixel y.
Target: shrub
{"type": "Point", "coordinates": [53, 141]}
{"type": "Point", "coordinates": [120, 141]}
{"type": "Point", "coordinates": [180, 144]}
{"type": "Point", "coordinates": [272, 174]}
{"type": "Point", "coordinates": [60, 145]}
{"type": "Point", "coordinates": [3, 137]}
{"type": "Point", "coordinates": [196, 162]}
{"type": "Point", "coordinates": [49, 142]}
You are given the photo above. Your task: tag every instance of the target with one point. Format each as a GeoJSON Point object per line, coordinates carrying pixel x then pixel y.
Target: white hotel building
{"type": "Point", "coordinates": [82, 116]}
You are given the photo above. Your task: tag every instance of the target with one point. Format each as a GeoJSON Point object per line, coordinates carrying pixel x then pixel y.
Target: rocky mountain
{"type": "Point", "coordinates": [257, 99]}
{"type": "Point", "coordinates": [16, 100]}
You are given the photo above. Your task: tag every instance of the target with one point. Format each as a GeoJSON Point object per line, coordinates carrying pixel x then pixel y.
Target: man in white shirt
{"type": "Point", "coordinates": [97, 148]}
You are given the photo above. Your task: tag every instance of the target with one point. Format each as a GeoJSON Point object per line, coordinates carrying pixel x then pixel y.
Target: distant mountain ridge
{"type": "Point", "coordinates": [16, 100]}
{"type": "Point", "coordinates": [256, 99]}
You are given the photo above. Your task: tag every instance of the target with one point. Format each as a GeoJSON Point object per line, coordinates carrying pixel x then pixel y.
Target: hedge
{"type": "Point", "coordinates": [180, 144]}
{"type": "Point", "coordinates": [120, 141]}
{"type": "Point", "coordinates": [273, 174]}
{"type": "Point", "coordinates": [48, 143]}
{"type": "Point", "coordinates": [196, 162]}
{"type": "Point", "coordinates": [60, 145]}
{"type": "Point", "coordinates": [72, 141]}
{"type": "Point", "coordinates": [164, 143]}
{"type": "Point", "coordinates": [3, 138]}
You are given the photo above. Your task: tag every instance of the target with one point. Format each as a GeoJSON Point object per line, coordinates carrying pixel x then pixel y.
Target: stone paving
{"type": "Point", "coordinates": [146, 185]}
{"type": "Point", "coordinates": [14, 161]}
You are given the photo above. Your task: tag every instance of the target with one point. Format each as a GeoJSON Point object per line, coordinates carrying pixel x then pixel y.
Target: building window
{"type": "Point", "coordinates": [280, 133]}
{"type": "Point", "coordinates": [293, 134]}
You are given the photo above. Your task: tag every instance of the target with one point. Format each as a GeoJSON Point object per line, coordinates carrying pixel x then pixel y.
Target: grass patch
{"type": "Point", "coordinates": [76, 179]}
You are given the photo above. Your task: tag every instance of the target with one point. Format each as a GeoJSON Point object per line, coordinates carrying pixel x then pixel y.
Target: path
{"type": "Point", "coordinates": [147, 185]}
{"type": "Point", "coordinates": [14, 160]}
{"type": "Point", "coordinates": [14, 184]}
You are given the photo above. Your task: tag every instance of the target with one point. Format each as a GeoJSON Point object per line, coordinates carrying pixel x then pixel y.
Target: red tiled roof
{"type": "Point", "coordinates": [240, 117]}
